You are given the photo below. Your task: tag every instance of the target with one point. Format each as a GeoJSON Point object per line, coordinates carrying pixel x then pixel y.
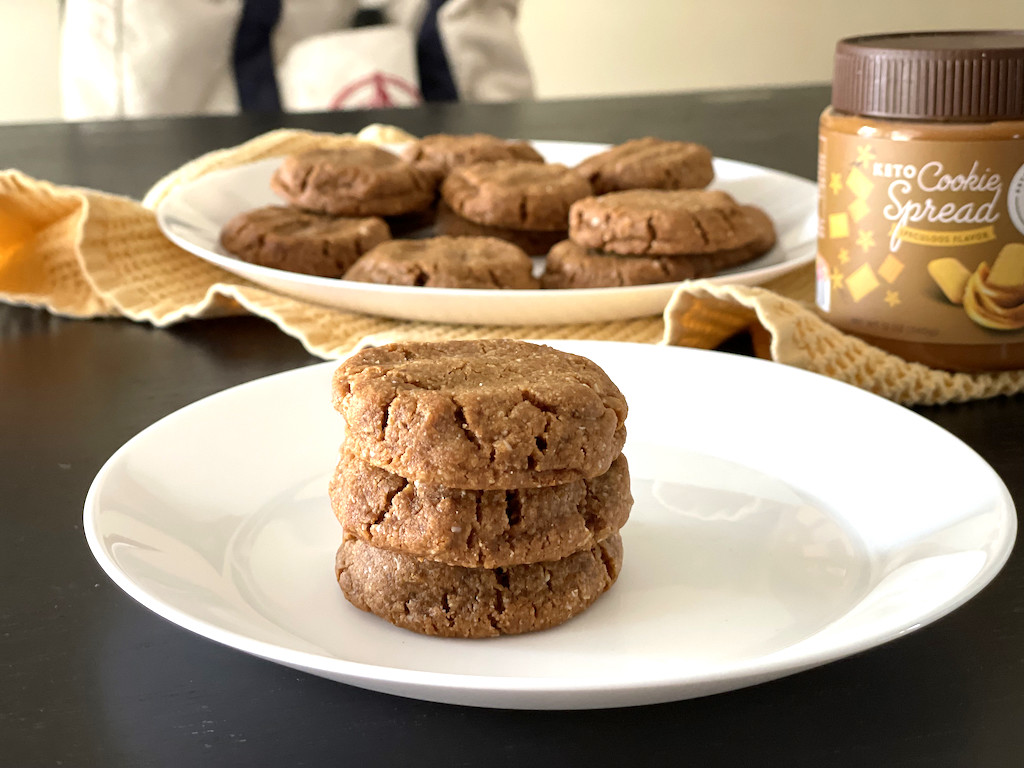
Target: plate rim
{"type": "Point", "coordinates": [779, 664]}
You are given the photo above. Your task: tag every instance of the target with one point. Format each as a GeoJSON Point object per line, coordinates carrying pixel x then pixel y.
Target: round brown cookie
{"type": "Point", "coordinates": [447, 600]}
{"type": "Point", "coordinates": [483, 414]}
{"type": "Point", "coordinates": [439, 153]}
{"type": "Point", "coordinates": [649, 163]}
{"type": "Point", "coordinates": [478, 529]}
{"type": "Point", "coordinates": [360, 180]}
{"type": "Point", "coordinates": [659, 221]}
{"type": "Point", "coordinates": [536, 242]}
{"type": "Point", "coordinates": [298, 241]}
{"type": "Point", "coordinates": [569, 265]}
{"type": "Point", "coordinates": [447, 262]}
{"type": "Point", "coordinates": [514, 194]}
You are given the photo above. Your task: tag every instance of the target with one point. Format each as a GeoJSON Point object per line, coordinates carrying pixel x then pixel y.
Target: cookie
{"type": "Point", "coordinates": [360, 180]}
{"type": "Point", "coordinates": [483, 414]}
{"type": "Point", "coordinates": [535, 242]}
{"type": "Point", "coordinates": [439, 153]}
{"type": "Point", "coordinates": [437, 599]}
{"type": "Point", "coordinates": [649, 163]}
{"type": "Point", "coordinates": [298, 241]}
{"type": "Point", "coordinates": [514, 194]}
{"type": "Point", "coordinates": [473, 528]}
{"type": "Point", "coordinates": [446, 262]}
{"type": "Point", "coordinates": [569, 265]}
{"type": "Point", "coordinates": [655, 221]}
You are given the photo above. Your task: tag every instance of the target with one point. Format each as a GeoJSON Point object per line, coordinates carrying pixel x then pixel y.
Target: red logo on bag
{"type": "Point", "coordinates": [378, 89]}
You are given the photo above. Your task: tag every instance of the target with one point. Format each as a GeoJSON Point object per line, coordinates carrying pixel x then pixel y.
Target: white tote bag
{"type": "Point", "coordinates": [134, 58]}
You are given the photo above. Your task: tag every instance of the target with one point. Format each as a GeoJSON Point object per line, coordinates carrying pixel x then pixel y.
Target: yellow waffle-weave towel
{"type": "Point", "coordinates": [786, 329]}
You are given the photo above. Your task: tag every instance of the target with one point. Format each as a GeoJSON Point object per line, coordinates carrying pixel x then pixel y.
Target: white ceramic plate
{"type": "Point", "coordinates": [782, 520]}
{"type": "Point", "coordinates": [193, 215]}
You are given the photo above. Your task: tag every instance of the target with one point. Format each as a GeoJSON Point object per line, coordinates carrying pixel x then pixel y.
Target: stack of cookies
{"type": "Point", "coordinates": [652, 221]}
{"type": "Point", "coordinates": [481, 485]}
{"type": "Point", "coordinates": [500, 189]}
{"type": "Point", "coordinates": [643, 236]}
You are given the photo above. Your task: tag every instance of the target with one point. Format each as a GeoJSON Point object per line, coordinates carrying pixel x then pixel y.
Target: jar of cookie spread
{"type": "Point", "coordinates": [921, 197]}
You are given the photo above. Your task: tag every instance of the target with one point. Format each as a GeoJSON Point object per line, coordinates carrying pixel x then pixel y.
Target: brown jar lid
{"type": "Point", "coordinates": [940, 76]}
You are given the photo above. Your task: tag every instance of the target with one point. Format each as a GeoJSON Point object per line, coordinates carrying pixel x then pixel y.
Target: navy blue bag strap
{"type": "Point", "coordinates": [252, 59]}
{"type": "Point", "coordinates": [436, 81]}
{"type": "Point", "coordinates": [253, 62]}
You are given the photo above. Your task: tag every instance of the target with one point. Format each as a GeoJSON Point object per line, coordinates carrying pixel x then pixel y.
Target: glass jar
{"type": "Point", "coordinates": [921, 197]}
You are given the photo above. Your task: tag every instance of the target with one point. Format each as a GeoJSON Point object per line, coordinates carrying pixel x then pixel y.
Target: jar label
{"type": "Point", "coordinates": [922, 241]}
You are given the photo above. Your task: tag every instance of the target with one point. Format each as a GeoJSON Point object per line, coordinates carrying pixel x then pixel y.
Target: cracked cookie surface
{"type": "Point", "coordinates": [570, 265]}
{"type": "Point", "coordinates": [361, 180]}
{"type": "Point", "coordinates": [447, 262]}
{"type": "Point", "coordinates": [657, 221]}
{"type": "Point", "coordinates": [483, 414]}
{"type": "Point", "coordinates": [478, 529]}
{"type": "Point", "coordinates": [298, 241]}
{"type": "Point", "coordinates": [437, 599]}
{"type": "Point", "coordinates": [514, 194]}
{"type": "Point", "coordinates": [649, 163]}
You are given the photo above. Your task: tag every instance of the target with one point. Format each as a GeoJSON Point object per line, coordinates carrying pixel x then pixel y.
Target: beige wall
{"type": "Point", "coordinates": [598, 47]}
{"type": "Point", "coordinates": [28, 60]}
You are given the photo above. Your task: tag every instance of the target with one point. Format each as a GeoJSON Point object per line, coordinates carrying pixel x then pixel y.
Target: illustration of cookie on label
{"type": "Point", "coordinates": [951, 276]}
{"type": "Point", "coordinates": [994, 296]}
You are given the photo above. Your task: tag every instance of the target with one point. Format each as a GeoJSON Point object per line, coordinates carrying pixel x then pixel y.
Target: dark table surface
{"type": "Point", "coordinates": [90, 678]}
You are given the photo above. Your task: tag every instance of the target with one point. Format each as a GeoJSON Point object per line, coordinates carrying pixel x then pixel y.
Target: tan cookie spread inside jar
{"type": "Point", "coordinates": [921, 197]}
